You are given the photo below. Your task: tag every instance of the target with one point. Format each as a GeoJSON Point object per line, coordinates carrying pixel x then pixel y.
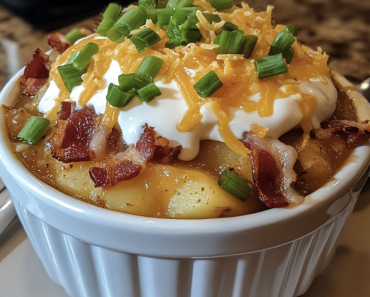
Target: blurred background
{"type": "Point", "coordinates": [340, 27]}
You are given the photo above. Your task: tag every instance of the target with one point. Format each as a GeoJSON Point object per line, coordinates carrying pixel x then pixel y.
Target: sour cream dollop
{"type": "Point", "coordinates": [165, 111]}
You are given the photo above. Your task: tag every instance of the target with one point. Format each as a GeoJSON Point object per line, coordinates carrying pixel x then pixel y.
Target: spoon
{"type": "Point", "coordinates": [364, 89]}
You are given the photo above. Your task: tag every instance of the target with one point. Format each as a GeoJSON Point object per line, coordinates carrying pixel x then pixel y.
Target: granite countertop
{"type": "Point", "coordinates": [340, 27]}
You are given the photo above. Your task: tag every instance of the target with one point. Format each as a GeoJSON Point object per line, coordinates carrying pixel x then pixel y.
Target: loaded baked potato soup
{"type": "Point", "coordinates": [184, 109]}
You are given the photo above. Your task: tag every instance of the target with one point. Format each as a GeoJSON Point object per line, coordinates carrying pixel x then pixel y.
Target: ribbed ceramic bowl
{"type": "Point", "coordinates": [94, 252]}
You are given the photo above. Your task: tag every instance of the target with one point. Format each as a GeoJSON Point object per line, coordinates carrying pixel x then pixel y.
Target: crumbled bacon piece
{"type": "Point", "coordinates": [354, 133]}
{"type": "Point", "coordinates": [65, 110]}
{"type": "Point", "coordinates": [113, 138]}
{"type": "Point", "coordinates": [58, 42]}
{"type": "Point", "coordinates": [272, 167]}
{"type": "Point", "coordinates": [35, 74]}
{"type": "Point", "coordinates": [146, 144]}
{"type": "Point", "coordinates": [72, 138]}
{"type": "Point", "coordinates": [125, 170]}
{"type": "Point", "coordinates": [167, 154]}
{"type": "Point", "coordinates": [99, 176]}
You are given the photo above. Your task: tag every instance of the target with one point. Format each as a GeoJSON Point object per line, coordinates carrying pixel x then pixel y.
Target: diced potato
{"type": "Point", "coordinates": [314, 166]}
{"type": "Point", "coordinates": [74, 179]}
{"type": "Point", "coordinates": [176, 192]}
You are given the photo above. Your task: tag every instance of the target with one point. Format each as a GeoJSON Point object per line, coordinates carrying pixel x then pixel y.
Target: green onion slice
{"type": "Point", "coordinates": [148, 92]}
{"type": "Point", "coordinates": [145, 39]}
{"type": "Point", "coordinates": [292, 29]}
{"type": "Point", "coordinates": [133, 81]}
{"type": "Point", "coordinates": [221, 4]}
{"type": "Point", "coordinates": [212, 17]}
{"type": "Point", "coordinates": [70, 75]}
{"type": "Point", "coordinates": [110, 17]}
{"type": "Point", "coordinates": [74, 35]}
{"type": "Point", "coordinates": [288, 55]}
{"type": "Point", "coordinates": [247, 45]}
{"type": "Point", "coordinates": [271, 66]}
{"type": "Point", "coordinates": [34, 129]}
{"type": "Point", "coordinates": [282, 42]}
{"type": "Point", "coordinates": [132, 19]}
{"type": "Point", "coordinates": [217, 39]}
{"type": "Point", "coordinates": [235, 185]}
{"type": "Point", "coordinates": [150, 65]}
{"type": "Point", "coordinates": [229, 42]}
{"type": "Point", "coordinates": [84, 57]}
{"type": "Point", "coordinates": [179, 3]}
{"type": "Point", "coordinates": [161, 4]}
{"type": "Point", "coordinates": [73, 57]}
{"type": "Point", "coordinates": [208, 84]}
{"type": "Point", "coordinates": [146, 3]}
{"type": "Point", "coordinates": [229, 27]}
{"type": "Point", "coordinates": [163, 16]}
{"type": "Point", "coordinates": [118, 98]}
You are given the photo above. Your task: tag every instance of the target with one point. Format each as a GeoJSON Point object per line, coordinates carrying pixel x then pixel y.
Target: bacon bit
{"type": "Point", "coordinates": [114, 173]}
{"type": "Point", "coordinates": [113, 138]}
{"type": "Point", "coordinates": [35, 74]}
{"type": "Point", "coordinates": [125, 170]}
{"type": "Point", "coordinates": [146, 144]}
{"type": "Point", "coordinates": [71, 142]}
{"type": "Point", "coordinates": [272, 167]}
{"type": "Point", "coordinates": [58, 42]}
{"type": "Point", "coordinates": [31, 86]}
{"type": "Point", "coordinates": [354, 133]}
{"type": "Point", "coordinates": [65, 110]}
{"type": "Point", "coordinates": [99, 176]}
{"type": "Point", "coordinates": [166, 154]}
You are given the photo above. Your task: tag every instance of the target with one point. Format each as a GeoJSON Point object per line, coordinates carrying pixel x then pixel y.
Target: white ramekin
{"type": "Point", "coordinates": [94, 252]}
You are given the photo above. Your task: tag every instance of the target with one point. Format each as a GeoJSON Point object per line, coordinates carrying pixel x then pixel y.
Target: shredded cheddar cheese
{"type": "Point", "coordinates": [187, 64]}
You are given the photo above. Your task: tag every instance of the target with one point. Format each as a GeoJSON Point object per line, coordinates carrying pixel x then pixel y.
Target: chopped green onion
{"type": "Point", "coordinates": [229, 27]}
{"type": "Point", "coordinates": [229, 42]}
{"type": "Point", "coordinates": [288, 55]}
{"type": "Point", "coordinates": [118, 98]}
{"type": "Point", "coordinates": [234, 185]}
{"type": "Point", "coordinates": [221, 4]}
{"type": "Point", "coordinates": [208, 84]}
{"type": "Point", "coordinates": [212, 17]}
{"type": "Point", "coordinates": [110, 17]}
{"type": "Point", "coordinates": [179, 3]}
{"type": "Point", "coordinates": [84, 57]}
{"type": "Point", "coordinates": [172, 44]}
{"type": "Point", "coordinates": [150, 65]}
{"type": "Point", "coordinates": [282, 42]}
{"type": "Point", "coordinates": [133, 81]}
{"type": "Point", "coordinates": [34, 129]}
{"type": "Point", "coordinates": [292, 29]}
{"type": "Point", "coordinates": [70, 75]}
{"type": "Point", "coordinates": [271, 66]}
{"type": "Point", "coordinates": [74, 35]}
{"type": "Point", "coordinates": [132, 19]}
{"type": "Point", "coordinates": [146, 3]}
{"type": "Point", "coordinates": [217, 39]}
{"type": "Point", "coordinates": [247, 45]}
{"type": "Point", "coordinates": [73, 57]}
{"type": "Point", "coordinates": [148, 92]}
{"type": "Point", "coordinates": [163, 16]}
{"type": "Point", "coordinates": [145, 39]}
{"type": "Point", "coordinates": [151, 14]}
{"type": "Point", "coordinates": [161, 4]}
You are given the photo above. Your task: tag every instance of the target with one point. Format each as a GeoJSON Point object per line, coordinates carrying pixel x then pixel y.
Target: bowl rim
{"type": "Point", "coordinates": [341, 182]}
